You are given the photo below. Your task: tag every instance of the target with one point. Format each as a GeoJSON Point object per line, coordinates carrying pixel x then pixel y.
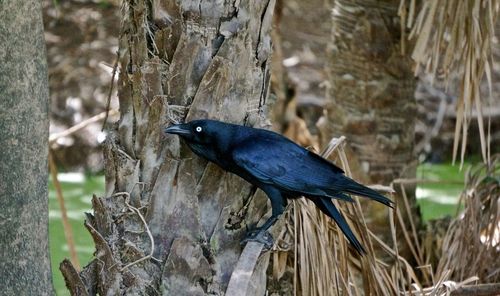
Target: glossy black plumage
{"type": "Point", "coordinates": [278, 166]}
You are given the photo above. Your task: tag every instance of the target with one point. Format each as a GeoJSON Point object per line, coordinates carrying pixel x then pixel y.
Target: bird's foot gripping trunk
{"type": "Point", "coordinates": [261, 236]}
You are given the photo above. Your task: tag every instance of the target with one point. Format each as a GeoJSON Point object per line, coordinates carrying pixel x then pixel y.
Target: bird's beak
{"type": "Point", "coordinates": [178, 129]}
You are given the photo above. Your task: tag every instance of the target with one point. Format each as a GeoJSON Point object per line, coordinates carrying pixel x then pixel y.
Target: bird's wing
{"type": "Point", "coordinates": [282, 163]}
{"type": "Point", "coordinates": [288, 166]}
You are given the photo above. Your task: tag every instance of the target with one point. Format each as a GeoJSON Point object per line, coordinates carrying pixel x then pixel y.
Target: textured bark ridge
{"type": "Point", "coordinates": [180, 60]}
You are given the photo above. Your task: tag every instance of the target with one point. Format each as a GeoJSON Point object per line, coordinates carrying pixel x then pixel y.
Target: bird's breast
{"type": "Point", "coordinates": [209, 154]}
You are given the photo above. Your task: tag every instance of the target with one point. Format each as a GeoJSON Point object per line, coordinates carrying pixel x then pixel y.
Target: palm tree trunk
{"type": "Point", "coordinates": [371, 96]}
{"type": "Point", "coordinates": [24, 127]}
{"type": "Point", "coordinates": [178, 62]}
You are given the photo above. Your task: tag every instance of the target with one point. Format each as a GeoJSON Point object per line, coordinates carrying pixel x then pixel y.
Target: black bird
{"type": "Point", "coordinates": [278, 166]}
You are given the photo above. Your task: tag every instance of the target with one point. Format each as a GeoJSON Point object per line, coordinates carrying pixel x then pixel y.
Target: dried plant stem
{"type": "Point", "coordinates": [240, 278]}
{"type": "Point", "coordinates": [420, 258]}
{"type": "Point", "coordinates": [68, 232]}
{"type": "Point", "coordinates": [81, 125]}
{"type": "Point", "coordinates": [477, 290]}
{"type": "Point", "coordinates": [476, 230]}
{"type": "Point", "coordinates": [455, 36]}
{"type": "Point", "coordinates": [426, 181]}
{"type": "Point", "coordinates": [146, 227]}
{"type": "Point", "coordinates": [108, 101]}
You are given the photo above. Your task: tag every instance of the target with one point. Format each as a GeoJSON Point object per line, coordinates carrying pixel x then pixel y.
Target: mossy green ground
{"type": "Point", "coordinates": [436, 200]}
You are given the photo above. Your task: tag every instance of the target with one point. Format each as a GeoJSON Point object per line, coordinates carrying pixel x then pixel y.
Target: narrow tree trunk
{"type": "Point", "coordinates": [24, 127]}
{"type": "Point", "coordinates": [180, 61]}
{"type": "Point", "coordinates": [371, 95]}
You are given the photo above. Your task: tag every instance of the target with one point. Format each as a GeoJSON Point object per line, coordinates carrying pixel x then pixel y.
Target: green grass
{"type": "Point", "coordinates": [439, 199]}
{"type": "Point", "coordinates": [436, 200]}
{"type": "Point", "coordinates": [77, 191]}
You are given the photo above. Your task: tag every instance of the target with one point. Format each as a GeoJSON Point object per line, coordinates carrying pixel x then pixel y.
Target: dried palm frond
{"type": "Point", "coordinates": [472, 243]}
{"type": "Point", "coordinates": [443, 287]}
{"type": "Point", "coordinates": [323, 261]}
{"type": "Point", "coordinates": [455, 36]}
{"type": "Point", "coordinates": [325, 265]}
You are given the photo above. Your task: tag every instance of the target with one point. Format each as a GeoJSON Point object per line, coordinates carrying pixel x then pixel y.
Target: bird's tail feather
{"type": "Point", "coordinates": [327, 207]}
{"type": "Point", "coordinates": [358, 189]}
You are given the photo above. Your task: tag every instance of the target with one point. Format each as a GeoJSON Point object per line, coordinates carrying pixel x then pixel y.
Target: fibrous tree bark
{"type": "Point", "coordinates": [24, 128]}
{"type": "Point", "coordinates": [170, 222]}
{"type": "Point", "coordinates": [371, 95]}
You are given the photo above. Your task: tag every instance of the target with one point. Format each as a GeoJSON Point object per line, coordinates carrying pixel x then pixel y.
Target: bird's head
{"type": "Point", "coordinates": [207, 138]}
{"type": "Point", "coordinates": [199, 132]}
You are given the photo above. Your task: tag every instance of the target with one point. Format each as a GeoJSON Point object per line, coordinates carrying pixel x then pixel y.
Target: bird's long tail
{"type": "Point", "coordinates": [355, 188]}
{"type": "Point", "coordinates": [326, 206]}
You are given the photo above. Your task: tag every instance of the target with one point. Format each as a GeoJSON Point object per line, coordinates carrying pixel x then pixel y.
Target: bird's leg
{"type": "Point", "coordinates": [261, 234]}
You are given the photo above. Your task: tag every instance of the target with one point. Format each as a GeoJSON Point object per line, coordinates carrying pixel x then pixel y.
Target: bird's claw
{"type": "Point", "coordinates": [263, 237]}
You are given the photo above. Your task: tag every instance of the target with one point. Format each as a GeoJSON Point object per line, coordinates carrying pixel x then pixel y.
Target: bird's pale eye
{"type": "Point", "coordinates": [199, 129]}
